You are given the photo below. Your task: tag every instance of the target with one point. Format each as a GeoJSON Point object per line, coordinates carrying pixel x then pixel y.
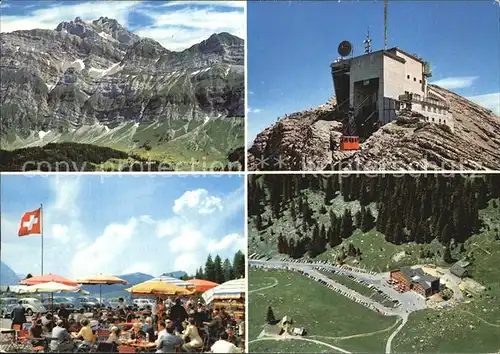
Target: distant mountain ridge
{"type": "Point", "coordinates": [132, 279]}
{"type": "Point", "coordinates": [176, 274]}
{"type": "Point", "coordinates": [7, 275]}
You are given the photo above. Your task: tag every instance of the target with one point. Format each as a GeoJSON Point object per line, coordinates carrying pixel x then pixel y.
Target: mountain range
{"type": "Point", "coordinates": [98, 83]}
{"type": "Point", "coordinates": [7, 275]}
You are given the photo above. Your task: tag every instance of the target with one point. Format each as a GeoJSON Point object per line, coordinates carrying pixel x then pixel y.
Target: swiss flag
{"type": "Point", "coordinates": [30, 223]}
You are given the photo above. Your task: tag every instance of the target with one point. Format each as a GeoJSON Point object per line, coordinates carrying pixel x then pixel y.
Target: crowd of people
{"type": "Point", "coordinates": [169, 326]}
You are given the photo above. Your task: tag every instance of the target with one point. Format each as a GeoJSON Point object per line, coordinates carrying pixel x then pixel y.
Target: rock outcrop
{"type": "Point", "coordinates": [303, 141]}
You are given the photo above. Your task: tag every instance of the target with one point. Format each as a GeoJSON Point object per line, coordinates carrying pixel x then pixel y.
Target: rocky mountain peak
{"type": "Point", "coordinates": [109, 25]}
{"type": "Point", "coordinates": [77, 27]}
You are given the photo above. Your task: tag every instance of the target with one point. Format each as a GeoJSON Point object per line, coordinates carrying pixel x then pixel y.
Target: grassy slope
{"type": "Point", "coordinates": [454, 330]}
{"type": "Point", "coordinates": [176, 142]}
{"type": "Point", "coordinates": [451, 330]}
{"type": "Point", "coordinates": [312, 306]}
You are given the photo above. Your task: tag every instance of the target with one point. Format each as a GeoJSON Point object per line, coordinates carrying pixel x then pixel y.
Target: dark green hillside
{"type": "Point", "coordinates": [68, 157]}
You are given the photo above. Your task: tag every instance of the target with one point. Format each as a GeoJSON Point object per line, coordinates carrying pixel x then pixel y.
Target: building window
{"type": "Point", "coordinates": [407, 76]}
{"type": "Point", "coordinates": [444, 121]}
{"type": "Point", "coordinates": [433, 120]}
{"type": "Point", "coordinates": [434, 109]}
{"type": "Point", "coordinates": [440, 121]}
{"type": "Point", "coordinates": [420, 81]}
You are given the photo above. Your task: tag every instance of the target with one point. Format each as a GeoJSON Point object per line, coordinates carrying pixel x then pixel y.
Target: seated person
{"type": "Point", "coordinates": [114, 336]}
{"type": "Point", "coordinates": [80, 315]}
{"type": "Point", "coordinates": [63, 313]}
{"type": "Point", "coordinates": [215, 327]}
{"type": "Point", "coordinates": [191, 333]}
{"type": "Point", "coordinates": [149, 329]}
{"type": "Point", "coordinates": [48, 323]}
{"type": "Point", "coordinates": [136, 332]}
{"type": "Point", "coordinates": [36, 333]}
{"type": "Point", "coordinates": [168, 342]}
{"type": "Point", "coordinates": [61, 341]}
{"type": "Point", "coordinates": [224, 346]}
{"type": "Point", "coordinates": [130, 316]}
{"type": "Point", "coordinates": [86, 334]}
{"type": "Point", "coordinates": [73, 326]}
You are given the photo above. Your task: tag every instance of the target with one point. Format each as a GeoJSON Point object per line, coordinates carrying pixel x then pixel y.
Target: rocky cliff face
{"type": "Point", "coordinates": [302, 141]}
{"type": "Point", "coordinates": [86, 81]}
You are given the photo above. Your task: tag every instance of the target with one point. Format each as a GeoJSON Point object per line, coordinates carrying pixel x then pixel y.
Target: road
{"type": "Point", "coordinates": [410, 301]}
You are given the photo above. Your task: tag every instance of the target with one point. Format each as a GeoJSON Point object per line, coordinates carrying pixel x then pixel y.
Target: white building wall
{"type": "Point", "coordinates": [394, 78]}
{"type": "Point", "coordinates": [433, 114]}
{"type": "Point", "coordinates": [413, 78]}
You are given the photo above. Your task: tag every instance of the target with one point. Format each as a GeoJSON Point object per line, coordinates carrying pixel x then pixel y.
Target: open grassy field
{"type": "Point", "coordinates": [473, 326]}
{"type": "Point", "coordinates": [326, 315]}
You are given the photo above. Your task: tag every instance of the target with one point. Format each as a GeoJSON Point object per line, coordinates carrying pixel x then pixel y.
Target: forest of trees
{"type": "Point", "coordinates": [220, 271]}
{"type": "Point", "coordinates": [74, 157]}
{"type": "Point", "coordinates": [410, 209]}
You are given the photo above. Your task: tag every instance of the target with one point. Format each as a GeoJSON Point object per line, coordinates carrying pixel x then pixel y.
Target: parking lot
{"type": "Point", "coordinates": [408, 301]}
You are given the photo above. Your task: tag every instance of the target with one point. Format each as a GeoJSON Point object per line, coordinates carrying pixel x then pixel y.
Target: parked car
{"type": "Point", "coordinates": [6, 306]}
{"type": "Point", "coordinates": [57, 303]}
{"type": "Point", "coordinates": [105, 303]}
{"type": "Point", "coordinates": [84, 303]}
{"type": "Point", "coordinates": [128, 303]}
{"type": "Point", "coordinates": [143, 304]}
{"type": "Point", "coordinates": [32, 305]}
{"type": "Point", "coordinates": [93, 300]}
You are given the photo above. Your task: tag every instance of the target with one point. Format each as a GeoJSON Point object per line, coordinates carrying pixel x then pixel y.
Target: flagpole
{"type": "Point", "coordinates": [41, 234]}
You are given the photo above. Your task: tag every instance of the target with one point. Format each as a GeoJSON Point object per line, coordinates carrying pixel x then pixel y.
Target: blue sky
{"type": "Point", "coordinates": [175, 24]}
{"type": "Point", "coordinates": [118, 224]}
{"type": "Point", "coordinates": [291, 45]}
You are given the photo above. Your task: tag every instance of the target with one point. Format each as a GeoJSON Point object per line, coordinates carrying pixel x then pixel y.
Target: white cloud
{"type": "Point", "coordinates": [105, 250]}
{"type": "Point", "coordinates": [456, 82]}
{"type": "Point", "coordinates": [145, 268]}
{"type": "Point", "coordinates": [147, 219]}
{"type": "Point", "coordinates": [251, 93]}
{"type": "Point", "coordinates": [188, 239]}
{"type": "Point", "coordinates": [489, 100]}
{"type": "Point", "coordinates": [50, 17]}
{"type": "Point", "coordinates": [179, 29]}
{"type": "Point", "coordinates": [231, 241]}
{"type": "Point", "coordinates": [199, 200]}
{"type": "Point", "coordinates": [253, 110]}
{"type": "Point", "coordinates": [169, 227]}
{"type": "Point", "coordinates": [210, 205]}
{"type": "Point", "coordinates": [188, 262]}
{"type": "Point", "coordinates": [60, 232]}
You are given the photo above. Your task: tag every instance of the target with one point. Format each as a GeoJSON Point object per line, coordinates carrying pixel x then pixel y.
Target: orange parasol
{"type": "Point", "coordinates": [40, 279]}
{"type": "Point", "coordinates": [202, 285]}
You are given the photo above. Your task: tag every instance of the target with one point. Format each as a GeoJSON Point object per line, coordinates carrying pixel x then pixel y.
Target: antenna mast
{"type": "Point", "coordinates": [385, 24]}
{"type": "Point", "coordinates": [368, 43]}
